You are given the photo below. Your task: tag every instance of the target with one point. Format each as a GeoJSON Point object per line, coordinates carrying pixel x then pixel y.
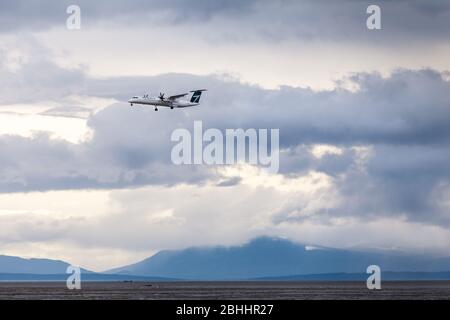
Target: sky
{"type": "Point", "coordinates": [364, 120]}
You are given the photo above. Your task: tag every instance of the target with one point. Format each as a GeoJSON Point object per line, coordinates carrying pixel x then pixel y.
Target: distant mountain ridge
{"type": "Point", "coordinates": [21, 269]}
{"type": "Point", "coordinates": [9, 264]}
{"type": "Point", "coordinates": [273, 257]}
{"type": "Point", "coordinates": [90, 276]}
{"type": "Point", "coordinates": [267, 259]}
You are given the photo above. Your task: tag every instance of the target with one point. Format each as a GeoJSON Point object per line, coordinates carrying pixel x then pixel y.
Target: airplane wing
{"type": "Point", "coordinates": [175, 97]}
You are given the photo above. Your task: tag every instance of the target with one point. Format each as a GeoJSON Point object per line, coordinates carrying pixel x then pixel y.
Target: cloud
{"type": "Point", "coordinates": [29, 73]}
{"type": "Point", "coordinates": [229, 182]}
{"type": "Point", "coordinates": [44, 14]}
{"type": "Point", "coordinates": [403, 119]}
{"type": "Point", "coordinates": [392, 134]}
{"type": "Point", "coordinates": [255, 20]}
{"type": "Point", "coordinates": [131, 224]}
{"type": "Point", "coordinates": [388, 109]}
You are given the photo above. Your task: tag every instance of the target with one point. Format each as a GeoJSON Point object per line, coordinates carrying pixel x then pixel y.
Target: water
{"type": "Point", "coordinates": [226, 290]}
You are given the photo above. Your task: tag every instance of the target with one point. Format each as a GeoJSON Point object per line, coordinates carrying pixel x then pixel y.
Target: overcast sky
{"type": "Point", "coordinates": [364, 119]}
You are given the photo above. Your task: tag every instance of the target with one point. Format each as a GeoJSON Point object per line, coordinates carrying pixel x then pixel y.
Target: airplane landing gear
{"type": "Point", "coordinates": [171, 108]}
{"type": "Point", "coordinates": [156, 109]}
{"type": "Point", "coordinates": [131, 104]}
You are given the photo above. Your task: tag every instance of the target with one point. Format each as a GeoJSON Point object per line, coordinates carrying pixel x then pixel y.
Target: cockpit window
{"type": "Point", "coordinates": [135, 97]}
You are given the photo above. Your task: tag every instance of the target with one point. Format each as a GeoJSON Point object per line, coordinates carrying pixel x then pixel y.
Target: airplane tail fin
{"type": "Point", "coordinates": [196, 95]}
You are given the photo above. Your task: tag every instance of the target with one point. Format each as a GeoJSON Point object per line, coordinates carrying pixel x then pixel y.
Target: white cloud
{"type": "Point", "coordinates": [111, 228]}
{"type": "Point", "coordinates": [291, 62]}
{"type": "Point", "coordinates": [70, 129]}
{"type": "Point", "coordinates": [320, 150]}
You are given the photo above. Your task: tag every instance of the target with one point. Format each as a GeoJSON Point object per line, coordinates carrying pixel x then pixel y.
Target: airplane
{"type": "Point", "coordinates": [171, 102]}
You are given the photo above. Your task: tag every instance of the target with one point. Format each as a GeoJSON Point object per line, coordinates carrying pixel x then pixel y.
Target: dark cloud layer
{"type": "Point", "coordinates": [36, 15]}
{"type": "Point", "coordinates": [403, 121]}
{"type": "Point", "coordinates": [403, 21]}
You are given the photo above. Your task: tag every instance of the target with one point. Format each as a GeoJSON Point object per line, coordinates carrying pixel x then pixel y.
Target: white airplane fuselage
{"type": "Point", "coordinates": [157, 102]}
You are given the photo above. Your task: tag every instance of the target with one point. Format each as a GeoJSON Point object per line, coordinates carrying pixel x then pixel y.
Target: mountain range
{"type": "Point", "coordinates": [263, 258]}
{"type": "Point", "coordinates": [274, 257]}
{"type": "Point", "coordinates": [18, 265]}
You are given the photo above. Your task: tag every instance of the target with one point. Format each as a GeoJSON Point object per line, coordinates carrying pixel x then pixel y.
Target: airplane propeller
{"type": "Point", "coordinates": [161, 96]}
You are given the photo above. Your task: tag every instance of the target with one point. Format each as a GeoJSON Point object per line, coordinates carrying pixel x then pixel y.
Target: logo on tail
{"type": "Point", "coordinates": [196, 96]}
